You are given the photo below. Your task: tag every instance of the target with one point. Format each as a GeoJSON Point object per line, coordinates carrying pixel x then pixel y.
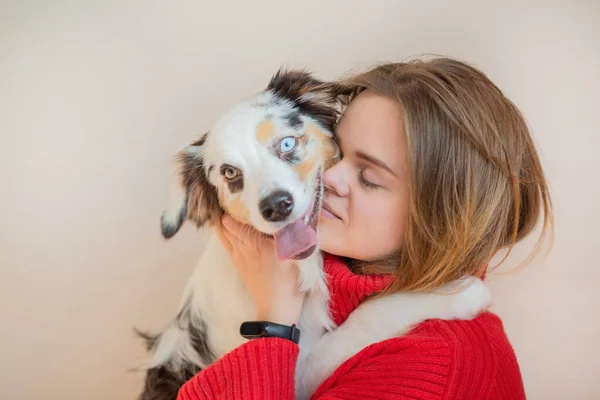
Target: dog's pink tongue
{"type": "Point", "coordinates": [294, 239]}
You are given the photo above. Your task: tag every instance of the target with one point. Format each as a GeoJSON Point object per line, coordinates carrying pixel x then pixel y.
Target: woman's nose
{"type": "Point", "coordinates": [336, 179]}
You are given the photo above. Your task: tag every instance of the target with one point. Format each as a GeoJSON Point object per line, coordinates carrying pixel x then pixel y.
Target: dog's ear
{"type": "Point", "coordinates": [312, 96]}
{"type": "Point", "coordinates": [192, 196]}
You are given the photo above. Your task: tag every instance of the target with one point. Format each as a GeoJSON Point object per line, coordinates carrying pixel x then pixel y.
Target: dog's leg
{"type": "Point", "coordinates": [180, 350]}
{"type": "Point", "coordinates": [178, 353]}
{"type": "Point", "coordinates": [163, 383]}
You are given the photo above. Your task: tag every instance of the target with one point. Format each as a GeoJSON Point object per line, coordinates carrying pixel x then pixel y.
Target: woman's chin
{"type": "Point", "coordinates": [329, 237]}
{"type": "Point", "coordinates": [325, 227]}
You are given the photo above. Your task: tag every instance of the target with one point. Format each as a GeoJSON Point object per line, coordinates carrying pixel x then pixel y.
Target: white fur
{"type": "Point", "coordinates": [384, 318]}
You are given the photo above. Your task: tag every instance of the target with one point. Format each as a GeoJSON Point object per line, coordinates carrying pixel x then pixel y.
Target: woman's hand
{"type": "Point", "coordinates": [271, 283]}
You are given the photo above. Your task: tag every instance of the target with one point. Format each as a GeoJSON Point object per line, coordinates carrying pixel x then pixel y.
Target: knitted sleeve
{"type": "Point", "coordinates": [264, 369]}
{"type": "Point", "coordinates": [258, 369]}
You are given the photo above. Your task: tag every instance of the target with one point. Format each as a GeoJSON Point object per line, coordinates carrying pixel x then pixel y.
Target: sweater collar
{"type": "Point", "coordinates": [347, 289]}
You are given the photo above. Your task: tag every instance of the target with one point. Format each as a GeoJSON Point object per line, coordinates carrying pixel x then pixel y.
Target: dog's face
{"type": "Point", "coordinates": [262, 163]}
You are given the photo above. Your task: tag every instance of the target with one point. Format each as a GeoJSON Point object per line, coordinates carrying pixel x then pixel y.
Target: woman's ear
{"type": "Point", "coordinates": [191, 196]}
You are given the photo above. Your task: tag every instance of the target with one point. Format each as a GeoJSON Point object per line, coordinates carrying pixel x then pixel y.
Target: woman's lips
{"type": "Point", "coordinates": [327, 212]}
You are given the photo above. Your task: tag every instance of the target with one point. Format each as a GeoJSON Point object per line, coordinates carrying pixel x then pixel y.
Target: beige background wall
{"type": "Point", "coordinates": [95, 96]}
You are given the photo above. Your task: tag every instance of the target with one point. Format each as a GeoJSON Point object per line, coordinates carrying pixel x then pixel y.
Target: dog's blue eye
{"type": "Point", "coordinates": [287, 144]}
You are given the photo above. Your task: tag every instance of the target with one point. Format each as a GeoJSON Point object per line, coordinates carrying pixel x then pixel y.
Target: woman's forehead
{"type": "Point", "coordinates": [373, 124]}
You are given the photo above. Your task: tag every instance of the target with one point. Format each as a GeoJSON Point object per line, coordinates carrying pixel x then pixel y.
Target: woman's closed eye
{"type": "Point", "coordinates": [365, 182]}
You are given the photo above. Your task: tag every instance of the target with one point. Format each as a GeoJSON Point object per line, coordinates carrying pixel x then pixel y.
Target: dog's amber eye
{"type": "Point", "coordinates": [230, 173]}
{"type": "Point", "coordinates": [287, 144]}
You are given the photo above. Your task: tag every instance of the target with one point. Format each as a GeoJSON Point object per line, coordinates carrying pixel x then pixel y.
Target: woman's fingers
{"type": "Point", "coordinates": [231, 225]}
{"type": "Point", "coordinates": [239, 233]}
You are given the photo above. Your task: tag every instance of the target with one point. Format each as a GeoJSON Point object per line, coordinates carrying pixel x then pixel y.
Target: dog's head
{"type": "Point", "coordinates": [262, 163]}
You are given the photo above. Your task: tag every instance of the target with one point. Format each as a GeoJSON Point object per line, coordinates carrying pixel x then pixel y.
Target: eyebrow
{"type": "Point", "coordinates": [374, 161]}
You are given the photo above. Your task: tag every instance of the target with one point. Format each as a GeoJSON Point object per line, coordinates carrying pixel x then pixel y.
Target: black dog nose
{"type": "Point", "coordinates": [277, 206]}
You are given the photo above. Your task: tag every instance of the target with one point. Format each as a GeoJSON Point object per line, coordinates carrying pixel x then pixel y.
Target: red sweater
{"type": "Point", "coordinates": [436, 360]}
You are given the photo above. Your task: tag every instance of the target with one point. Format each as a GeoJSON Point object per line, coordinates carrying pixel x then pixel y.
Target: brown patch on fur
{"type": "Point", "coordinates": [329, 148]}
{"type": "Point", "coordinates": [305, 168]}
{"type": "Point", "coordinates": [265, 131]}
{"type": "Point", "coordinates": [326, 150]}
{"type": "Point", "coordinates": [221, 196]}
{"type": "Point", "coordinates": [238, 210]}
{"type": "Point", "coordinates": [202, 201]}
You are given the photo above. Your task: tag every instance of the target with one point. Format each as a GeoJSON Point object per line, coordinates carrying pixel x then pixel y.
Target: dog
{"type": "Point", "coordinates": [262, 163]}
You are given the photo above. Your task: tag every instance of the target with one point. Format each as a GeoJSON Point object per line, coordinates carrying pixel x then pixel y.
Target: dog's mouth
{"type": "Point", "coordinates": [298, 240]}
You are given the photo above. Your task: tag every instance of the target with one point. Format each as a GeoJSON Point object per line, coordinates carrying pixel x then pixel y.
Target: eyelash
{"type": "Point", "coordinates": [361, 178]}
{"type": "Point", "coordinates": [365, 182]}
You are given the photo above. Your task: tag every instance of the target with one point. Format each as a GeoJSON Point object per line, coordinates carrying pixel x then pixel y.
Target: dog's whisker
{"type": "Point", "coordinates": [256, 241]}
{"type": "Point", "coordinates": [246, 231]}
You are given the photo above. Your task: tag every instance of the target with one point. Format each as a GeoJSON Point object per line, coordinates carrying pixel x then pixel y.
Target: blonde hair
{"type": "Point", "coordinates": [476, 184]}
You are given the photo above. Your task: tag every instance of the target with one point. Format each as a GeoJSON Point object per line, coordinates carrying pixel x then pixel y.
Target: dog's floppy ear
{"type": "Point", "coordinates": [312, 96]}
{"type": "Point", "coordinates": [192, 196]}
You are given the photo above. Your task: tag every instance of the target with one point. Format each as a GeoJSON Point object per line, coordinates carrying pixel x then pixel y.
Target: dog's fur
{"type": "Point", "coordinates": [215, 301]}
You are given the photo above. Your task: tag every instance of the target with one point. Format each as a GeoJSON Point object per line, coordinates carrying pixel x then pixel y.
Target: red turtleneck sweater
{"type": "Point", "coordinates": [437, 360]}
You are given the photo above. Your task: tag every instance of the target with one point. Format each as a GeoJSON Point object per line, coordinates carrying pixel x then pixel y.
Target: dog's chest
{"type": "Point", "coordinates": [221, 299]}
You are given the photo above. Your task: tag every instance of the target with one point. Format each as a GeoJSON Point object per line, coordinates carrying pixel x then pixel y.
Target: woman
{"type": "Point", "coordinates": [438, 174]}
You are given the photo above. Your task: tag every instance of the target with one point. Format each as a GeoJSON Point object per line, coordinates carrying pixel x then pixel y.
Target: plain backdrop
{"type": "Point", "coordinates": [97, 95]}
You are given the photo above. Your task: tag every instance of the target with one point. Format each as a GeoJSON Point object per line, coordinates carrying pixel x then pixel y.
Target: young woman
{"type": "Point", "coordinates": [438, 174]}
